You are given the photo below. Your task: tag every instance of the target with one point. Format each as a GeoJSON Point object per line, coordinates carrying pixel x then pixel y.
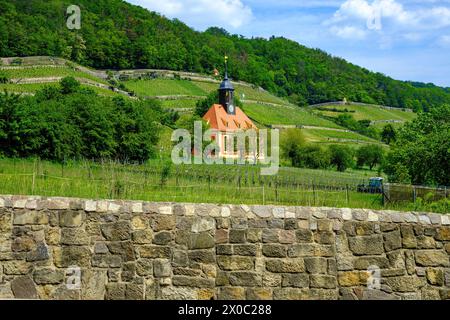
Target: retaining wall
{"type": "Point", "coordinates": [61, 248]}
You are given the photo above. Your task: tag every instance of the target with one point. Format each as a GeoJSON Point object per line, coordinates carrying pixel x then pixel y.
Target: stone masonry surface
{"type": "Point", "coordinates": [62, 248]}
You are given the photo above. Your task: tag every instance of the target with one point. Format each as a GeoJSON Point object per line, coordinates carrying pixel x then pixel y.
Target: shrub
{"type": "Point", "coordinates": [3, 77]}
{"type": "Point", "coordinates": [69, 85]}
{"type": "Point", "coordinates": [17, 62]}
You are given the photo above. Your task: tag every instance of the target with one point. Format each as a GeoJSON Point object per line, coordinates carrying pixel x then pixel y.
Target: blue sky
{"type": "Point", "coordinates": [405, 39]}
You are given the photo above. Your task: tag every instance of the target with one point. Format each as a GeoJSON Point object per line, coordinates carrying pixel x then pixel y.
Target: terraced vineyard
{"type": "Point", "coordinates": [47, 72]}
{"type": "Point", "coordinates": [261, 106]}
{"type": "Point", "coordinates": [179, 104]}
{"type": "Point", "coordinates": [364, 112]}
{"type": "Point", "coordinates": [330, 136]}
{"type": "Point", "coordinates": [164, 87]}
{"type": "Point", "coordinates": [285, 115]}
{"type": "Point", "coordinates": [33, 87]}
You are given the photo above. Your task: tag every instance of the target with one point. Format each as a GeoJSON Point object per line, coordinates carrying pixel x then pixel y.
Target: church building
{"type": "Point", "coordinates": [227, 119]}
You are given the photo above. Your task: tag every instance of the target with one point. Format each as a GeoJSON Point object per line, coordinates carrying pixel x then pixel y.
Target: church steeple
{"type": "Point", "coordinates": [226, 92]}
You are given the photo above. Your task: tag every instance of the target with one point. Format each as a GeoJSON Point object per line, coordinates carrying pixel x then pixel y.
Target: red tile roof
{"type": "Point", "coordinates": [220, 120]}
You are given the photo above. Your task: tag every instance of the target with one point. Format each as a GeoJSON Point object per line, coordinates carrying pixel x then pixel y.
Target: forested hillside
{"type": "Point", "coordinates": [118, 35]}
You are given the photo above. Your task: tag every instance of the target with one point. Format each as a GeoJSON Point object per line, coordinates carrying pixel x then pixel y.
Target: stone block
{"type": "Point", "coordinates": [432, 258]}
{"type": "Point", "coordinates": [30, 218]}
{"type": "Point", "coordinates": [231, 263]}
{"type": "Point", "coordinates": [323, 281]}
{"type": "Point", "coordinates": [274, 250]}
{"type": "Point", "coordinates": [366, 245]}
{"type": "Point", "coordinates": [299, 280]}
{"type": "Point", "coordinates": [117, 231]}
{"type": "Point", "coordinates": [285, 265]}
{"type": "Point", "coordinates": [24, 288]}
{"type": "Point", "coordinates": [70, 218]}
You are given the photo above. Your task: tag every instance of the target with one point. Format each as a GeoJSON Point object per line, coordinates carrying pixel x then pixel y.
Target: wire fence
{"type": "Point", "coordinates": [394, 193]}
{"type": "Point", "coordinates": [180, 183]}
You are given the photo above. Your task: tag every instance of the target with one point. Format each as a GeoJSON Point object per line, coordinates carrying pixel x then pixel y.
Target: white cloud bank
{"type": "Point", "coordinates": [388, 17]}
{"type": "Point", "coordinates": [202, 13]}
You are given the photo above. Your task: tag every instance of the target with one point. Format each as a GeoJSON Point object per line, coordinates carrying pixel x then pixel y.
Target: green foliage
{"type": "Point", "coordinates": [424, 204]}
{"type": "Point", "coordinates": [17, 62]}
{"type": "Point", "coordinates": [69, 122]}
{"type": "Point", "coordinates": [69, 85]}
{"type": "Point", "coordinates": [3, 77]}
{"type": "Point", "coordinates": [118, 35]}
{"type": "Point", "coordinates": [362, 126]}
{"type": "Point", "coordinates": [422, 150]}
{"type": "Point", "coordinates": [389, 134]}
{"type": "Point", "coordinates": [291, 141]}
{"type": "Point", "coordinates": [313, 156]}
{"type": "Point", "coordinates": [370, 155]}
{"type": "Point", "coordinates": [341, 157]}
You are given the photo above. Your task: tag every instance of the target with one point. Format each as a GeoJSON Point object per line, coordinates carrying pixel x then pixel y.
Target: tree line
{"type": "Point", "coordinates": [71, 122]}
{"type": "Point", "coordinates": [118, 35]}
{"type": "Point", "coordinates": [419, 151]}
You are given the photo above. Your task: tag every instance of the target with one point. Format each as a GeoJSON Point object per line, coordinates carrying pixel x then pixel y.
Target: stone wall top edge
{"type": "Point", "coordinates": [220, 210]}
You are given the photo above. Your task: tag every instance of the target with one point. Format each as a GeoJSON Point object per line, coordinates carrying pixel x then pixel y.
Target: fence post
{"type": "Point", "coordinates": [414, 194]}
{"type": "Point", "coordinates": [314, 194]}
{"type": "Point", "coordinates": [264, 195]}
{"type": "Point", "coordinates": [347, 196]}
{"type": "Point", "coordinates": [276, 190]}
{"type": "Point", "coordinates": [34, 178]}
{"type": "Point", "coordinates": [32, 186]}
{"type": "Point", "coordinates": [209, 182]}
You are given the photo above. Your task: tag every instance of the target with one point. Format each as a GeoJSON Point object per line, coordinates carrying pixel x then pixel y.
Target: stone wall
{"type": "Point", "coordinates": [136, 250]}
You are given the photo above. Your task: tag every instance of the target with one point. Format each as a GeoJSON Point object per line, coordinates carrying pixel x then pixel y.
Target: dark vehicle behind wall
{"type": "Point", "coordinates": [375, 186]}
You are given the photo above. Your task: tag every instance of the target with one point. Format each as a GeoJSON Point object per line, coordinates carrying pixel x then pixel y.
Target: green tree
{"type": "Point", "coordinates": [69, 85]}
{"type": "Point", "coordinates": [389, 134]}
{"type": "Point", "coordinates": [77, 124]}
{"type": "Point", "coordinates": [341, 157]}
{"type": "Point", "coordinates": [422, 149]}
{"type": "Point", "coordinates": [370, 155]}
{"type": "Point", "coordinates": [136, 131]}
{"type": "Point", "coordinates": [291, 142]}
{"type": "Point", "coordinates": [313, 156]}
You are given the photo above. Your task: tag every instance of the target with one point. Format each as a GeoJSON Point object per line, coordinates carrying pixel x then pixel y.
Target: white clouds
{"type": "Point", "coordinates": [394, 18]}
{"type": "Point", "coordinates": [202, 13]}
{"type": "Point", "coordinates": [349, 32]}
{"type": "Point", "coordinates": [410, 42]}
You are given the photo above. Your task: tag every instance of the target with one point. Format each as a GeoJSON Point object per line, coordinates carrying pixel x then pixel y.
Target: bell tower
{"type": "Point", "coordinates": [226, 93]}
